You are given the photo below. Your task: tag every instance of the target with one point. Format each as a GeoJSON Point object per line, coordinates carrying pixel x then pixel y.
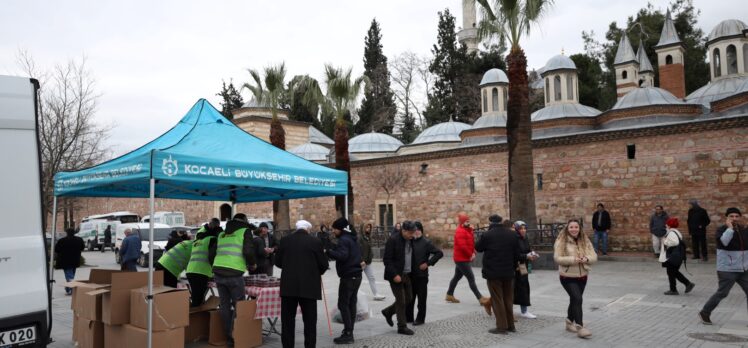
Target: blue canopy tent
{"type": "Point", "coordinates": [204, 157]}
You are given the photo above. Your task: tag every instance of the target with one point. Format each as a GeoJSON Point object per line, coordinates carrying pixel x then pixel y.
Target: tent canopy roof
{"type": "Point", "coordinates": [205, 157]}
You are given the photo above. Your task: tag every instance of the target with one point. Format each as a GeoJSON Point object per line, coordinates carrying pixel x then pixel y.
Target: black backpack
{"type": "Point", "coordinates": [676, 255]}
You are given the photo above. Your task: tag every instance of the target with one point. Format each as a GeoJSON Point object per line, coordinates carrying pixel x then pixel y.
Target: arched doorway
{"type": "Point", "coordinates": [225, 211]}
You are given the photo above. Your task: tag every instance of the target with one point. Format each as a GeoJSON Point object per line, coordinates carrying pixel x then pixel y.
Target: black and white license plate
{"type": "Point", "coordinates": [18, 337]}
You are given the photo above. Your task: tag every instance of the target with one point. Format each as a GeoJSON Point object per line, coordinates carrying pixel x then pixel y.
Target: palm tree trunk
{"type": "Point", "coordinates": [281, 213]}
{"type": "Point", "coordinates": [519, 139]}
{"type": "Point", "coordinates": [343, 162]}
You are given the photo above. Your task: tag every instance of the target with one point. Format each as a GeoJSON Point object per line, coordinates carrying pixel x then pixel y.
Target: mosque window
{"type": "Point", "coordinates": [668, 60]}
{"type": "Point", "coordinates": [539, 180]}
{"type": "Point", "coordinates": [731, 56]}
{"type": "Point", "coordinates": [624, 74]}
{"type": "Point", "coordinates": [495, 99]}
{"type": "Point", "coordinates": [506, 98]}
{"type": "Point", "coordinates": [547, 92]}
{"type": "Point", "coordinates": [570, 87]}
{"type": "Point", "coordinates": [745, 57]}
{"type": "Point", "coordinates": [631, 151]}
{"type": "Point", "coordinates": [485, 101]}
{"type": "Point", "coordinates": [716, 63]}
{"type": "Point", "coordinates": [557, 87]}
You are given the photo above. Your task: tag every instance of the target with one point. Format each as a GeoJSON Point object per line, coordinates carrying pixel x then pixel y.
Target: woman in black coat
{"type": "Point", "coordinates": [521, 281]}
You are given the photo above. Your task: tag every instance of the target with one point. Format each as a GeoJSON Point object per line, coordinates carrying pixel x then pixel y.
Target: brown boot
{"type": "Point", "coordinates": [486, 303]}
{"type": "Point", "coordinates": [452, 299]}
{"type": "Point", "coordinates": [570, 326]}
{"type": "Point", "coordinates": [583, 332]}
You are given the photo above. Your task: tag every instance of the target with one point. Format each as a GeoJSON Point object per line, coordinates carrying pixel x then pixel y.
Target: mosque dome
{"type": "Point", "coordinates": [311, 152]}
{"type": "Point", "coordinates": [494, 76]}
{"type": "Point", "coordinates": [442, 132]}
{"type": "Point", "coordinates": [489, 121]}
{"type": "Point", "coordinates": [719, 89]}
{"type": "Point", "coordinates": [559, 62]}
{"type": "Point", "coordinates": [646, 97]}
{"type": "Point", "coordinates": [373, 142]}
{"type": "Point", "coordinates": [564, 110]}
{"type": "Point", "coordinates": [727, 28]}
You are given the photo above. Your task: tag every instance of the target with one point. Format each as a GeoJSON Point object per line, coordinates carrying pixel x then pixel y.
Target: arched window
{"type": "Point", "coordinates": [731, 56]}
{"type": "Point", "coordinates": [668, 60]}
{"type": "Point", "coordinates": [557, 87]}
{"type": "Point", "coordinates": [495, 99]}
{"type": "Point", "coordinates": [745, 58]}
{"type": "Point", "coordinates": [506, 99]}
{"type": "Point", "coordinates": [716, 63]}
{"type": "Point", "coordinates": [624, 74]}
{"type": "Point", "coordinates": [485, 101]}
{"type": "Point", "coordinates": [570, 87]}
{"type": "Point", "coordinates": [547, 90]}
{"type": "Point", "coordinates": [225, 211]}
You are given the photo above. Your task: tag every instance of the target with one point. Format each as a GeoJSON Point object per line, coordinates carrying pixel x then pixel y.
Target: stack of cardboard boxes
{"type": "Point", "coordinates": [110, 311]}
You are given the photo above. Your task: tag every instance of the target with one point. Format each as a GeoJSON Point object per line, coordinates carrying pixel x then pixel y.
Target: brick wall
{"type": "Point", "coordinates": [730, 102]}
{"type": "Point", "coordinates": [673, 80]}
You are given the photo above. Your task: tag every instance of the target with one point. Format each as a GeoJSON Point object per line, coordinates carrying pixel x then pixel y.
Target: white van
{"type": "Point", "coordinates": [160, 238]}
{"type": "Point", "coordinates": [92, 232]}
{"type": "Point", "coordinates": [171, 218]}
{"type": "Point", "coordinates": [25, 300]}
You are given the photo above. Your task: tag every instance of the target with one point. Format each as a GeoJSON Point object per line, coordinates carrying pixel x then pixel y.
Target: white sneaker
{"type": "Point", "coordinates": [528, 315]}
{"type": "Point", "coordinates": [379, 297]}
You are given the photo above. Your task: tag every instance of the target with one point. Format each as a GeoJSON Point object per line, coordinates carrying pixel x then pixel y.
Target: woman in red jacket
{"type": "Point", "coordinates": [464, 253]}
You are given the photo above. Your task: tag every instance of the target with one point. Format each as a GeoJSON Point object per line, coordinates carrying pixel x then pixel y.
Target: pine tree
{"type": "Point", "coordinates": [378, 108]}
{"type": "Point", "coordinates": [231, 99]}
{"type": "Point", "coordinates": [408, 131]}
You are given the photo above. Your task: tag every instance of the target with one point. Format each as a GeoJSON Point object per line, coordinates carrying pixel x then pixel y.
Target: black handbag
{"type": "Point", "coordinates": [676, 254]}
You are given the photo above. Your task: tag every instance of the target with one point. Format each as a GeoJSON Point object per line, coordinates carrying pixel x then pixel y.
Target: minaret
{"type": "Point", "coordinates": [468, 35]}
{"type": "Point", "coordinates": [646, 71]}
{"type": "Point", "coordinates": [670, 53]}
{"type": "Point", "coordinates": [626, 66]}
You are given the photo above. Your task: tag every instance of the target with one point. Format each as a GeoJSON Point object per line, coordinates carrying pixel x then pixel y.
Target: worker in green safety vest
{"type": "Point", "coordinates": [234, 256]}
{"type": "Point", "coordinates": [200, 267]}
{"type": "Point", "coordinates": [174, 261]}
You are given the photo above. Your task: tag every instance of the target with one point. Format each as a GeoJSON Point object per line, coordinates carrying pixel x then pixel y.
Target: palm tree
{"type": "Point", "coordinates": [510, 21]}
{"type": "Point", "coordinates": [341, 94]}
{"type": "Point", "coordinates": [270, 96]}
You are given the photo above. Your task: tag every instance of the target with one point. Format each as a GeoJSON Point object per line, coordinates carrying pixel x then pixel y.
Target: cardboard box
{"type": "Point", "coordinates": [88, 333]}
{"type": "Point", "coordinates": [199, 328]}
{"type": "Point", "coordinates": [114, 336]}
{"type": "Point", "coordinates": [97, 278]}
{"type": "Point", "coordinates": [170, 308]}
{"type": "Point", "coordinates": [115, 304]}
{"type": "Point", "coordinates": [88, 302]}
{"type": "Point", "coordinates": [137, 337]}
{"type": "Point", "coordinates": [216, 334]}
{"type": "Point", "coordinates": [247, 330]}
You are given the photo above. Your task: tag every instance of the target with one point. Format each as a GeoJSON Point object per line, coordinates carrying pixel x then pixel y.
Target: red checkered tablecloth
{"type": "Point", "coordinates": [268, 301]}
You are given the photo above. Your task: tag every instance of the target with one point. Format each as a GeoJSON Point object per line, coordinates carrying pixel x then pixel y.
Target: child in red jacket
{"type": "Point", "coordinates": [464, 254]}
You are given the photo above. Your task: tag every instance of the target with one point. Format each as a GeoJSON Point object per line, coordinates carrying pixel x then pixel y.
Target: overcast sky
{"type": "Point", "coordinates": [153, 60]}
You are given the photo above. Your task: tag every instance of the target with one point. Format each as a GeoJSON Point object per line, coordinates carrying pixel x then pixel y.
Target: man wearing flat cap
{"type": "Point", "coordinates": [303, 262]}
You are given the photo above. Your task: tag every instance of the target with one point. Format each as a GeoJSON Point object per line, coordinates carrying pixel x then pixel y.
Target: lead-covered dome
{"type": "Point", "coordinates": [442, 132]}
{"type": "Point", "coordinates": [559, 62]}
{"type": "Point", "coordinates": [717, 90]}
{"type": "Point", "coordinates": [311, 152]}
{"type": "Point", "coordinates": [373, 142]}
{"type": "Point", "coordinates": [557, 111]}
{"type": "Point", "coordinates": [494, 76]}
{"type": "Point", "coordinates": [489, 121]}
{"type": "Point", "coordinates": [727, 28]}
{"type": "Point", "coordinates": [646, 97]}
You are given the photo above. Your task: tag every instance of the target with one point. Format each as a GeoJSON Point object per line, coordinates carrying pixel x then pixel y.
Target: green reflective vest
{"type": "Point", "coordinates": [229, 251]}
{"type": "Point", "coordinates": [199, 261]}
{"type": "Point", "coordinates": [175, 260]}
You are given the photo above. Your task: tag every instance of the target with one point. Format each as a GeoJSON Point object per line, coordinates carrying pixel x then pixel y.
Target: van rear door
{"type": "Point", "coordinates": [23, 268]}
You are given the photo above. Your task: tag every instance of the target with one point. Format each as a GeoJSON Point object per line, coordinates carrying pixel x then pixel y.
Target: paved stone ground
{"type": "Point", "coordinates": [624, 307]}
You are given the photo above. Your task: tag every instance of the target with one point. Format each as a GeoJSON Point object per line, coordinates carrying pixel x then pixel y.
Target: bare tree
{"type": "Point", "coordinates": [69, 137]}
{"type": "Point", "coordinates": [412, 81]}
{"type": "Point", "coordinates": [390, 181]}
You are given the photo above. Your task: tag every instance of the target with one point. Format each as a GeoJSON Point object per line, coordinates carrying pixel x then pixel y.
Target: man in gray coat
{"type": "Point", "coordinates": [657, 228]}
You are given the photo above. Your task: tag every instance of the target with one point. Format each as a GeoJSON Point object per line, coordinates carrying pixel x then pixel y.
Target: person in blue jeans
{"type": "Point", "coordinates": [130, 251]}
{"type": "Point", "coordinates": [68, 252]}
{"type": "Point", "coordinates": [601, 224]}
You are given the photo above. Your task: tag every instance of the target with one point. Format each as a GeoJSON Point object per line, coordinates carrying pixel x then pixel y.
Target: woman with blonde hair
{"type": "Point", "coordinates": [574, 253]}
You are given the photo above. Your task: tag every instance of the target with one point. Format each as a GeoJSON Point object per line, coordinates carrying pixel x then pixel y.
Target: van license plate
{"type": "Point", "coordinates": [18, 337]}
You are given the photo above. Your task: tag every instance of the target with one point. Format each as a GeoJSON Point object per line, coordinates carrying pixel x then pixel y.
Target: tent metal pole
{"type": "Point", "coordinates": [346, 207]}
{"type": "Point", "coordinates": [149, 299]}
{"type": "Point", "coordinates": [52, 244]}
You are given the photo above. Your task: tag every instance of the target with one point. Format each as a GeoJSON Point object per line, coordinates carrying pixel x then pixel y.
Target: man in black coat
{"type": "Point", "coordinates": [601, 225]}
{"type": "Point", "coordinates": [398, 266]}
{"type": "Point", "coordinates": [501, 254]}
{"type": "Point", "coordinates": [425, 255]}
{"type": "Point", "coordinates": [698, 220]}
{"type": "Point", "coordinates": [303, 262]}
{"type": "Point", "coordinates": [107, 239]}
{"type": "Point", "coordinates": [68, 250]}
{"type": "Point", "coordinates": [270, 246]}
{"type": "Point", "coordinates": [347, 256]}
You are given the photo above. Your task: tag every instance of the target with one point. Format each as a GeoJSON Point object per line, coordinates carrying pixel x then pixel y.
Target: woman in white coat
{"type": "Point", "coordinates": [672, 255]}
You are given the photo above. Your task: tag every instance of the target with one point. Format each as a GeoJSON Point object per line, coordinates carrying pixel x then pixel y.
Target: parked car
{"type": "Point", "coordinates": [160, 238]}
